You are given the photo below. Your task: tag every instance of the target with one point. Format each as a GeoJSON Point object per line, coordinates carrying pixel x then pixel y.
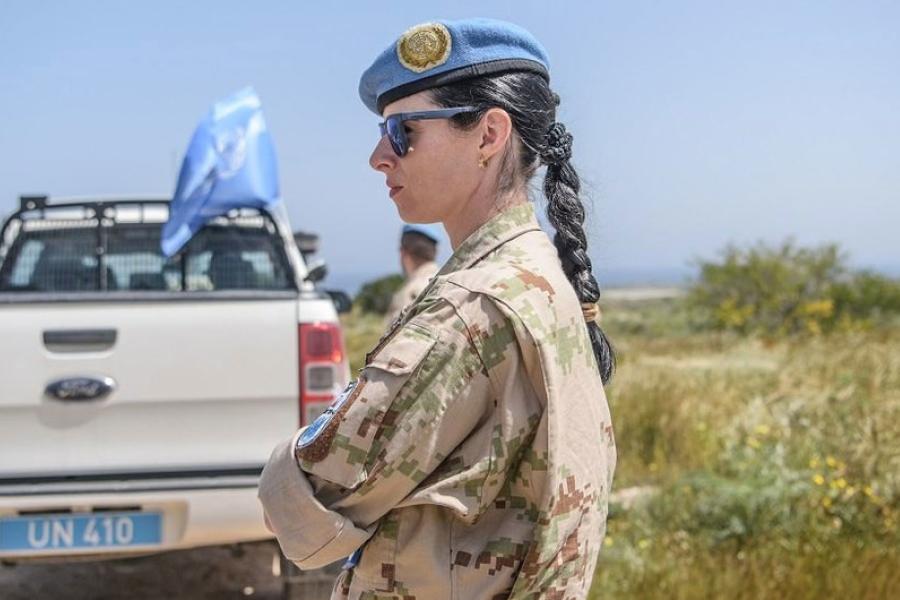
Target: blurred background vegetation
{"type": "Point", "coordinates": [756, 420]}
{"type": "Point", "coordinates": [786, 290]}
{"type": "Point", "coordinates": [375, 296]}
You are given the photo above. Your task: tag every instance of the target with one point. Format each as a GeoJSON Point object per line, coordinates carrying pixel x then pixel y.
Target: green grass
{"type": "Point", "coordinates": [776, 462]}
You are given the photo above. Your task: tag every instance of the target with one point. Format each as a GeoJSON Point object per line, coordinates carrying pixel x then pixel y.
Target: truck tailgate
{"type": "Point", "coordinates": [196, 384]}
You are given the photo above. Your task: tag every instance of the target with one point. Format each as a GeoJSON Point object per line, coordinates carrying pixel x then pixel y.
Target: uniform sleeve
{"type": "Point", "coordinates": [422, 392]}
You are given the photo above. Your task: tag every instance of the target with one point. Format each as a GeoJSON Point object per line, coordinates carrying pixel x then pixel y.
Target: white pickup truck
{"type": "Point", "coordinates": [140, 396]}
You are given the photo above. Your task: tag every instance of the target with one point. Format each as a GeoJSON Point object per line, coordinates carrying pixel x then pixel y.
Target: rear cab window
{"type": "Point", "coordinates": [60, 251]}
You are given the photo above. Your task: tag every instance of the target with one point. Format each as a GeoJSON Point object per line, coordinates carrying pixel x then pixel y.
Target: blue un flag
{"type": "Point", "coordinates": [230, 163]}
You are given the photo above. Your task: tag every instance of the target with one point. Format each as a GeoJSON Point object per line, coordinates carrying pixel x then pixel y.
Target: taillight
{"type": "Point", "coordinates": [323, 368]}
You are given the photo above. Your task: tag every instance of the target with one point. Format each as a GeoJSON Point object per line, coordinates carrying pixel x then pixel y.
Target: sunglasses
{"type": "Point", "coordinates": [393, 126]}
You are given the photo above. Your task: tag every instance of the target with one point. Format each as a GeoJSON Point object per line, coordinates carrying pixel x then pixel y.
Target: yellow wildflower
{"type": "Point", "coordinates": [840, 483]}
{"type": "Point", "coordinates": [814, 463]}
{"type": "Point", "coordinates": [868, 491]}
{"type": "Point", "coordinates": [831, 462]}
{"type": "Point", "coordinates": [818, 479]}
{"type": "Point", "coordinates": [608, 542]}
{"type": "Point", "coordinates": [644, 544]}
{"type": "Point", "coordinates": [753, 442]}
{"type": "Point", "coordinates": [763, 430]}
{"type": "Point", "coordinates": [826, 502]}
{"type": "Point", "coordinates": [817, 308]}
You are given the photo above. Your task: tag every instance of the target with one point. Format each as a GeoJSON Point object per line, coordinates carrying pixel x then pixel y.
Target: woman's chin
{"type": "Point", "coordinates": [404, 209]}
{"type": "Point", "coordinates": [411, 212]}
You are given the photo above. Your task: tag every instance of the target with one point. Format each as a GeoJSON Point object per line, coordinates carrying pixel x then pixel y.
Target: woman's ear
{"type": "Point", "coordinates": [496, 129]}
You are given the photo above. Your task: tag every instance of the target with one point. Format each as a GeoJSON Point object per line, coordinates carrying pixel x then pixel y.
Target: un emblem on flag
{"type": "Point", "coordinates": [231, 148]}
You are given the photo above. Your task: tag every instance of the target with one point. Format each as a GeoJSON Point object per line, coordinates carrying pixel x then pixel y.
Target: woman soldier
{"type": "Point", "coordinates": [474, 457]}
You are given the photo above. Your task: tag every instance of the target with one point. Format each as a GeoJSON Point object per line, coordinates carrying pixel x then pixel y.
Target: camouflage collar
{"type": "Point", "coordinates": [501, 228]}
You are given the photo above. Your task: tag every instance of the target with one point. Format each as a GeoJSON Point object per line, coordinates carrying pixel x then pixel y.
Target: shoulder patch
{"type": "Point", "coordinates": [314, 443]}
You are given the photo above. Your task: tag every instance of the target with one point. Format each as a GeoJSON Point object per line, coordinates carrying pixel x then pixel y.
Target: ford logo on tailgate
{"type": "Point", "coordinates": [81, 388]}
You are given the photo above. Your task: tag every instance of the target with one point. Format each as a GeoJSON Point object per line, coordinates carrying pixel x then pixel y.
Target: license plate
{"type": "Point", "coordinates": [55, 533]}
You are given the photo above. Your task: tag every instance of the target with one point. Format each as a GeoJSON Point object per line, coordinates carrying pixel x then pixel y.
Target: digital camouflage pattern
{"type": "Point", "coordinates": [475, 456]}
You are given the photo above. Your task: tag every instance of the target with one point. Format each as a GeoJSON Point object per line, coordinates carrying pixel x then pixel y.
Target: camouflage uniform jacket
{"type": "Point", "coordinates": [475, 455]}
{"type": "Point", "coordinates": [412, 287]}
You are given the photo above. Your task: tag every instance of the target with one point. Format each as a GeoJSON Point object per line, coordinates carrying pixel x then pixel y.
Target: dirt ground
{"type": "Point", "coordinates": [203, 573]}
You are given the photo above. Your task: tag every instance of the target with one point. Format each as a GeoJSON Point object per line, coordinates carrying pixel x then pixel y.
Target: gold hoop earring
{"type": "Point", "coordinates": [482, 162]}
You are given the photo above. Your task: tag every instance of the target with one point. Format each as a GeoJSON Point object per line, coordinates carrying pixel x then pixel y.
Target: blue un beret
{"type": "Point", "coordinates": [429, 231]}
{"type": "Point", "coordinates": [443, 52]}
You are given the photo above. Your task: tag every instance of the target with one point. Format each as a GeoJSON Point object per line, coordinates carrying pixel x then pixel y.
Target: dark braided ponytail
{"type": "Point", "coordinates": [566, 213]}
{"type": "Point", "coordinates": [531, 105]}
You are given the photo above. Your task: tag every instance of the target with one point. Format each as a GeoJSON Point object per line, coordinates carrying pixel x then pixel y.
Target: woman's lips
{"type": "Point", "coordinates": [395, 190]}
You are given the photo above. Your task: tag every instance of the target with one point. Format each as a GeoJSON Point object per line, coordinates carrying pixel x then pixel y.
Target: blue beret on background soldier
{"type": "Point", "coordinates": [474, 456]}
{"type": "Point", "coordinates": [418, 251]}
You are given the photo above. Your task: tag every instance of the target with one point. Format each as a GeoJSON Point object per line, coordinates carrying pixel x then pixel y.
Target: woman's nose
{"type": "Point", "coordinates": [383, 157]}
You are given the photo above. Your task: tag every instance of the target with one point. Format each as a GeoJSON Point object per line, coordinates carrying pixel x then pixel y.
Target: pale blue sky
{"type": "Point", "coordinates": [695, 123]}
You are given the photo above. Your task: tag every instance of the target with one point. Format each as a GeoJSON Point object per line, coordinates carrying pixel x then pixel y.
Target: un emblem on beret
{"type": "Point", "coordinates": [424, 47]}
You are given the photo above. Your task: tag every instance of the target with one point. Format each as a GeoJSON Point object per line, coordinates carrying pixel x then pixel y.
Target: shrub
{"type": "Point", "coordinates": [375, 296]}
{"type": "Point", "coordinates": [789, 289]}
{"type": "Point", "coordinates": [867, 296]}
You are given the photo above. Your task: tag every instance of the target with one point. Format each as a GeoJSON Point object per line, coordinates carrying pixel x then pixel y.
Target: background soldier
{"type": "Point", "coordinates": [418, 249]}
